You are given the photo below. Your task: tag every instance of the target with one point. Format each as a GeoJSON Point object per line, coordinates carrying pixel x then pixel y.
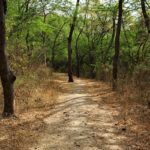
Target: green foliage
{"type": "Point", "coordinates": [39, 29]}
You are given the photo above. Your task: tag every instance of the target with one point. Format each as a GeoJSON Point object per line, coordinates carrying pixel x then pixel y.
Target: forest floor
{"type": "Point", "coordinates": [87, 115]}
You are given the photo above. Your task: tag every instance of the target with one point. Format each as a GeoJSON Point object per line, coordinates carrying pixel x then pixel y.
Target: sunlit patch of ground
{"type": "Point", "coordinates": [87, 115]}
{"type": "Point", "coordinates": [34, 93]}
{"type": "Point", "coordinates": [81, 120]}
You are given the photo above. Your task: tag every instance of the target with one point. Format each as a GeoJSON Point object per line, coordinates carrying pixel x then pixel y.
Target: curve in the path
{"type": "Point", "coordinates": [78, 122]}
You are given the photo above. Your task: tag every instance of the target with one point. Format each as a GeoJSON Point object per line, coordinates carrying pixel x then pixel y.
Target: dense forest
{"type": "Point", "coordinates": [100, 41]}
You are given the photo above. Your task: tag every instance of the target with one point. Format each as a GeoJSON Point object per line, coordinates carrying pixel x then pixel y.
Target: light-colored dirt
{"type": "Point", "coordinates": [85, 115]}
{"type": "Point", "coordinates": [81, 120]}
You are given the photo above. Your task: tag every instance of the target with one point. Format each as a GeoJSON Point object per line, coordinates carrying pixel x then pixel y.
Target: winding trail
{"type": "Point", "coordinates": [81, 120]}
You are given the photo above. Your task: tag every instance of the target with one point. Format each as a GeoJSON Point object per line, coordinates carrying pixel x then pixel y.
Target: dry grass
{"type": "Point", "coordinates": [35, 89]}
{"type": "Point", "coordinates": [35, 92]}
{"type": "Point", "coordinates": [130, 110]}
{"type": "Point", "coordinates": [135, 113]}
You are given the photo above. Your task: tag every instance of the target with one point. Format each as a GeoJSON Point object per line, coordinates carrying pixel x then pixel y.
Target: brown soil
{"type": "Point", "coordinates": [87, 116]}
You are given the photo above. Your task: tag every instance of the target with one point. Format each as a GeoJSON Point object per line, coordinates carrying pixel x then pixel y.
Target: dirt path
{"type": "Point", "coordinates": [81, 120]}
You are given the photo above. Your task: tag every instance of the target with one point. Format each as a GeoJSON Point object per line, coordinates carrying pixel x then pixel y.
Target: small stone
{"type": "Point", "coordinates": [124, 129]}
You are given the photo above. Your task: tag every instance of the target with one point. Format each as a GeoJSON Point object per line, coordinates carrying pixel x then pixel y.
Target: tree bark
{"type": "Point", "coordinates": [70, 73]}
{"type": "Point", "coordinates": [7, 76]}
{"type": "Point", "coordinates": [77, 40]}
{"type": "Point", "coordinates": [117, 46]}
{"type": "Point", "coordinates": [54, 46]}
{"type": "Point", "coordinates": [29, 52]}
{"type": "Point", "coordinates": [145, 15]}
{"type": "Point", "coordinates": [77, 56]}
{"type": "Point", "coordinates": [112, 38]}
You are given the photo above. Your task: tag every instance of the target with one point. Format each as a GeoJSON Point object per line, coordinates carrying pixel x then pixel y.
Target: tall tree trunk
{"type": "Point", "coordinates": [44, 38]}
{"type": "Point", "coordinates": [77, 40]}
{"type": "Point", "coordinates": [29, 53]}
{"type": "Point", "coordinates": [7, 77]}
{"type": "Point", "coordinates": [70, 74]}
{"type": "Point", "coordinates": [77, 56]}
{"type": "Point", "coordinates": [54, 46]}
{"type": "Point", "coordinates": [112, 38]}
{"type": "Point", "coordinates": [117, 46]}
{"type": "Point", "coordinates": [28, 44]}
{"type": "Point", "coordinates": [146, 17]}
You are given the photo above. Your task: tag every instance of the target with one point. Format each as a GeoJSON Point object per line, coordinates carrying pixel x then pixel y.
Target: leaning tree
{"type": "Point", "coordinates": [72, 26]}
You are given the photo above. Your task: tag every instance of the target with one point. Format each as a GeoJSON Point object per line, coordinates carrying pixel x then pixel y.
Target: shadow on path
{"type": "Point", "coordinates": [81, 120]}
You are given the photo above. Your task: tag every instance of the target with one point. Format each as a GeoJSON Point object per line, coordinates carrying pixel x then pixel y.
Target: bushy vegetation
{"type": "Point", "coordinates": [37, 31]}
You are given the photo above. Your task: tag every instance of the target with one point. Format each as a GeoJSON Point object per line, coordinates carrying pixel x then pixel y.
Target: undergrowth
{"type": "Point", "coordinates": [34, 89]}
